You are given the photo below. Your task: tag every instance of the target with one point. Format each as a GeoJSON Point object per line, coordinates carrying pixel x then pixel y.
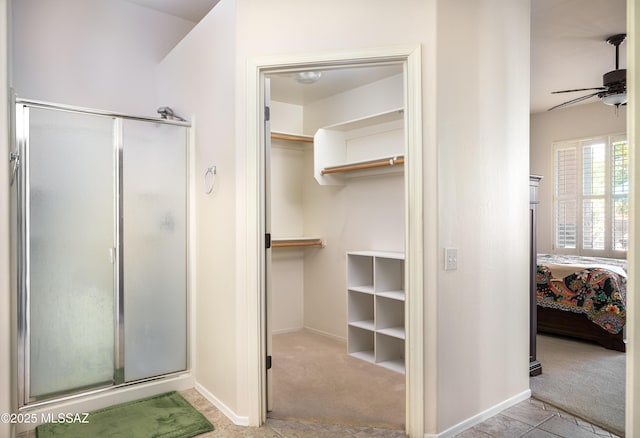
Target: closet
{"type": "Point", "coordinates": [337, 188]}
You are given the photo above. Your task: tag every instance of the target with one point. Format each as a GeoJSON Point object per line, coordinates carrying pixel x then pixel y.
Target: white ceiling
{"type": "Point", "coordinates": [285, 88]}
{"type": "Point", "coordinates": [568, 48]}
{"type": "Point", "coordinates": [192, 10]}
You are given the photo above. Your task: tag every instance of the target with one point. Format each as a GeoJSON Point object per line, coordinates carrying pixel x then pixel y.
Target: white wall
{"type": "Point", "coordinates": [480, 113]}
{"type": "Point", "coordinates": [92, 53]}
{"type": "Point", "coordinates": [7, 380]}
{"type": "Point", "coordinates": [198, 78]}
{"type": "Point", "coordinates": [287, 218]}
{"type": "Point", "coordinates": [483, 172]}
{"type": "Point", "coordinates": [481, 63]}
{"type": "Point", "coordinates": [366, 213]}
{"type": "Point", "coordinates": [632, 424]}
{"type": "Point", "coordinates": [89, 53]}
{"type": "Point", "coordinates": [573, 122]}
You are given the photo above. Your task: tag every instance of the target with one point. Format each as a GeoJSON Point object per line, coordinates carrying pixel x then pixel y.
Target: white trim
{"type": "Point", "coordinates": [482, 416]}
{"type": "Point", "coordinates": [632, 425]}
{"type": "Point", "coordinates": [326, 334]}
{"type": "Point", "coordinates": [286, 330]}
{"type": "Point", "coordinates": [226, 410]}
{"type": "Point", "coordinates": [192, 254]}
{"type": "Point", "coordinates": [414, 249]}
{"type": "Point", "coordinates": [251, 243]}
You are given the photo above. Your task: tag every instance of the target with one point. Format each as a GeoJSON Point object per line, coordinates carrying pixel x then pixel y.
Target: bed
{"type": "Point", "coordinates": [582, 297]}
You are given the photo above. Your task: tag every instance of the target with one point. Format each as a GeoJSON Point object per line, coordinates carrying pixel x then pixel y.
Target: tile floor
{"type": "Point", "coordinates": [529, 419]}
{"type": "Point", "coordinates": [535, 419]}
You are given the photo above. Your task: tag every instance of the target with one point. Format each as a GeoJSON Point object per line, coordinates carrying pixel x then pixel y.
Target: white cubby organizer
{"type": "Point", "coordinates": [375, 308]}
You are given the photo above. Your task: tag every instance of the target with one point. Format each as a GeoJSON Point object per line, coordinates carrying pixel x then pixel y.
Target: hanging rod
{"type": "Point", "coordinates": [291, 137]}
{"type": "Point", "coordinates": [297, 242]}
{"type": "Point", "coordinates": [383, 162]}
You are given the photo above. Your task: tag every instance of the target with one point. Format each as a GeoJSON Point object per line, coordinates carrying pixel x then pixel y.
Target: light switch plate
{"type": "Point", "coordinates": [450, 259]}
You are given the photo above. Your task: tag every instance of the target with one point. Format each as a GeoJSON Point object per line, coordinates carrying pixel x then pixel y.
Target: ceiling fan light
{"type": "Point", "coordinates": [308, 77]}
{"type": "Point", "coordinates": [614, 99]}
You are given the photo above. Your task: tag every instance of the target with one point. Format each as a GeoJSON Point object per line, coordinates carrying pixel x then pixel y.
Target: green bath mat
{"type": "Point", "coordinates": [162, 416]}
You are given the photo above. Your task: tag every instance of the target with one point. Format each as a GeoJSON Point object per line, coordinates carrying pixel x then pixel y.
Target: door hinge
{"type": "Point", "coordinates": [267, 240]}
{"type": "Point", "coordinates": [267, 114]}
{"type": "Point", "coordinates": [269, 362]}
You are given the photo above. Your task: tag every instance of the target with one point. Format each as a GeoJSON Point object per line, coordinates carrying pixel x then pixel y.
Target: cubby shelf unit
{"type": "Point", "coordinates": [375, 308]}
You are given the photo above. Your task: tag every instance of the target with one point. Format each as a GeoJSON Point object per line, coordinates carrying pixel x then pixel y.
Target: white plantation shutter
{"type": "Point", "coordinates": [591, 196]}
{"type": "Point", "coordinates": [593, 224]}
{"type": "Point", "coordinates": [593, 191]}
{"type": "Point", "coordinates": [566, 207]}
{"type": "Point", "coordinates": [620, 192]}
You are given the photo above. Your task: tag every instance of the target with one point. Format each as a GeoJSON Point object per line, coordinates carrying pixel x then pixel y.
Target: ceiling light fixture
{"type": "Point", "coordinates": [615, 99]}
{"type": "Point", "coordinates": [308, 77]}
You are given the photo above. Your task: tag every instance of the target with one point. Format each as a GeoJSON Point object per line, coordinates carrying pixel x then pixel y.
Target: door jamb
{"type": "Point", "coordinates": [253, 236]}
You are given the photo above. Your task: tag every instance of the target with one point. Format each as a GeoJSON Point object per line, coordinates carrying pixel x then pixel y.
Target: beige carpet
{"type": "Point", "coordinates": [583, 379]}
{"type": "Point", "coordinates": [314, 379]}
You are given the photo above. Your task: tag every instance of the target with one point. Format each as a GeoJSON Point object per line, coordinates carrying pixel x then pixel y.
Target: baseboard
{"type": "Point", "coordinates": [228, 412]}
{"type": "Point", "coordinates": [287, 330]}
{"type": "Point", "coordinates": [326, 334]}
{"type": "Point", "coordinates": [482, 416]}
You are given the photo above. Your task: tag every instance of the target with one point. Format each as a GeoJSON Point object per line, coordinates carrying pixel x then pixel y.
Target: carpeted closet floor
{"type": "Point", "coordinates": [315, 380]}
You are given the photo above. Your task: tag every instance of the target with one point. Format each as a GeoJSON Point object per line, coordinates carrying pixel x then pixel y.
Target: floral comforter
{"type": "Point", "coordinates": [585, 286]}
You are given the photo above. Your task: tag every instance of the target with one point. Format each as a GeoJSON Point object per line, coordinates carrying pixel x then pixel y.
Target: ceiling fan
{"type": "Point", "coordinates": [614, 83]}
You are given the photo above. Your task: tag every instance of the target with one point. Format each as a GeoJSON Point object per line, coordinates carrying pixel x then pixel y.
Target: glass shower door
{"type": "Point", "coordinates": [154, 205]}
{"type": "Point", "coordinates": [70, 227]}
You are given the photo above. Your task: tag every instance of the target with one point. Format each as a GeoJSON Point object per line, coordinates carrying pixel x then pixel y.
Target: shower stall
{"type": "Point", "coordinates": [101, 249]}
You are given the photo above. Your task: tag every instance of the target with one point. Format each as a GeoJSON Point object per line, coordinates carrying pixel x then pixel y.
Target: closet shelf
{"type": "Point", "coordinates": [366, 324]}
{"type": "Point", "coordinates": [363, 289]}
{"type": "Point", "coordinates": [396, 332]}
{"type": "Point", "coordinates": [362, 165]}
{"type": "Point", "coordinates": [297, 242]}
{"type": "Point", "coordinates": [392, 294]}
{"type": "Point", "coordinates": [396, 365]}
{"type": "Point", "coordinates": [291, 137]}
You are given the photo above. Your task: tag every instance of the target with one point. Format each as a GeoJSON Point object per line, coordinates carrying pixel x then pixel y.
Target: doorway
{"type": "Point", "coordinates": [409, 57]}
{"type": "Point", "coordinates": [335, 184]}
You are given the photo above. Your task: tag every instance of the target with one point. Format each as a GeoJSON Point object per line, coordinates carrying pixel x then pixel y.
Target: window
{"type": "Point", "coordinates": [591, 187]}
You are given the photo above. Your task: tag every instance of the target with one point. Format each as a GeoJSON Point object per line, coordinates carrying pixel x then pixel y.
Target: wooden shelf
{"type": "Point", "coordinates": [371, 145]}
{"type": "Point", "coordinates": [291, 137]}
{"type": "Point", "coordinates": [297, 242]}
{"type": "Point", "coordinates": [363, 165]}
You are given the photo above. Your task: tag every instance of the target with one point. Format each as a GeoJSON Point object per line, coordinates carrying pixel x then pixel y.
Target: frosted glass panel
{"type": "Point", "coordinates": [154, 211]}
{"type": "Point", "coordinates": [71, 217]}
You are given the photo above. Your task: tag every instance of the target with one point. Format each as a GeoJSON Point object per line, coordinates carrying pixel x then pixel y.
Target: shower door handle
{"type": "Point", "coordinates": [14, 159]}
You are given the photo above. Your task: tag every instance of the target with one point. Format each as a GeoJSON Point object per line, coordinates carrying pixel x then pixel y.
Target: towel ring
{"type": "Point", "coordinates": [209, 180]}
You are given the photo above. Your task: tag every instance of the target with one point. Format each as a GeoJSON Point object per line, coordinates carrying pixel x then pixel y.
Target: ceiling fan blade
{"type": "Point", "coordinates": [579, 89]}
{"type": "Point", "coordinates": [579, 99]}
